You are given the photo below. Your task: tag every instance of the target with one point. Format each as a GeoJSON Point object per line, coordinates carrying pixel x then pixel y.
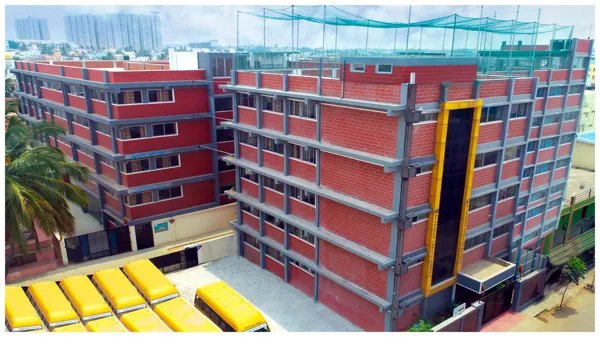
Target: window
{"type": "Point", "coordinates": [271, 219]}
{"type": "Point", "coordinates": [85, 151]}
{"type": "Point", "coordinates": [251, 241]}
{"type": "Point", "coordinates": [557, 188]}
{"type": "Point", "coordinates": [522, 201]}
{"type": "Point", "coordinates": [223, 104]}
{"type": "Point", "coordinates": [167, 161]}
{"type": "Point", "coordinates": [224, 188]}
{"type": "Point", "coordinates": [222, 66]}
{"type": "Point", "coordinates": [133, 132]}
{"type": "Point", "coordinates": [22, 260]}
{"type": "Point", "coordinates": [562, 163]}
{"type": "Point", "coordinates": [103, 128]}
{"type": "Point", "coordinates": [552, 119]}
{"type": "Point", "coordinates": [491, 114]}
{"type": "Point", "coordinates": [139, 165]}
{"type": "Point", "coordinates": [300, 194]}
{"type": "Point", "coordinates": [74, 89]}
{"type": "Point", "coordinates": [508, 192]}
{"type": "Point", "coordinates": [301, 153]}
{"type": "Point", "coordinates": [272, 104]}
{"type": "Point", "coordinates": [81, 121]}
{"type": "Point", "coordinates": [554, 203]}
{"type": "Point", "coordinates": [549, 142]}
{"type": "Point", "coordinates": [155, 96]}
{"type": "Point", "coordinates": [579, 63]}
{"type": "Point", "coordinates": [519, 110]}
{"type": "Point", "coordinates": [486, 159]}
{"type": "Point", "coordinates": [357, 67]}
{"type": "Point", "coordinates": [527, 172]}
{"type": "Point", "coordinates": [538, 195]}
{"type": "Point", "coordinates": [224, 135]}
{"type": "Point", "coordinates": [301, 266]}
{"type": "Point", "coordinates": [139, 198]}
{"type": "Point", "coordinates": [537, 121]}
{"type": "Point", "coordinates": [247, 100]}
{"type": "Point", "coordinates": [169, 193]}
{"type": "Point", "coordinates": [127, 97]}
{"type": "Point", "coordinates": [251, 210]}
{"type": "Point", "coordinates": [165, 129]}
{"type": "Point", "coordinates": [424, 169]}
{"type": "Point", "coordinates": [270, 145]}
{"type": "Point", "coordinates": [55, 85]}
{"type": "Point", "coordinates": [273, 184]}
{"type": "Point", "coordinates": [519, 218]}
{"type": "Point", "coordinates": [576, 89]}
{"type": "Point", "coordinates": [224, 166]}
{"type": "Point", "coordinates": [568, 116]}
{"type": "Point", "coordinates": [420, 217]}
{"type": "Point", "coordinates": [430, 117]}
{"type": "Point", "coordinates": [58, 113]}
{"type": "Point", "coordinates": [274, 253]}
{"type": "Point", "coordinates": [476, 240]}
{"type": "Point", "coordinates": [532, 235]}
{"type": "Point", "coordinates": [567, 138]}
{"type": "Point", "coordinates": [541, 92]}
{"type": "Point", "coordinates": [501, 230]}
{"type": "Point", "coordinates": [532, 146]}
{"type": "Point", "coordinates": [384, 69]}
{"type": "Point", "coordinates": [543, 168]}
{"type": "Point", "coordinates": [250, 175]}
{"type": "Point", "coordinates": [480, 201]}
{"type": "Point", "coordinates": [300, 109]}
{"type": "Point", "coordinates": [107, 161]}
{"type": "Point", "coordinates": [534, 212]}
{"type": "Point", "coordinates": [557, 91]}
{"type": "Point", "coordinates": [97, 94]}
{"type": "Point", "coordinates": [512, 153]}
{"type": "Point", "coordinates": [299, 233]}
{"type": "Point", "coordinates": [246, 138]}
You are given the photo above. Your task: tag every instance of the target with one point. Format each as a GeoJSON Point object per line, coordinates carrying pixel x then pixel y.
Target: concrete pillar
{"type": "Point", "coordinates": [132, 238]}
{"type": "Point", "coordinates": [63, 252]}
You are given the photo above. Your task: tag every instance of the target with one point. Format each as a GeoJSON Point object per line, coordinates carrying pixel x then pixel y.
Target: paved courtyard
{"type": "Point", "coordinates": [284, 307]}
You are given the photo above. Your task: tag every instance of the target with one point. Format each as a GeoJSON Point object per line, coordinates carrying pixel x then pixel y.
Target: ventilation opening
{"type": "Point", "coordinates": [451, 197]}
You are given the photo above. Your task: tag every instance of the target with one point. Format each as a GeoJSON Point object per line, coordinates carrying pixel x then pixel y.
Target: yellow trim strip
{"type": "Point", "coordinates": [436, 188]}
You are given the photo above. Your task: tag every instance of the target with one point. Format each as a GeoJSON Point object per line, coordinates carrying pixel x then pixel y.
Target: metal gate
{"type": "Point", "coordinates": [98, 244]}
{"type": "Point", "coordinates": [497, 302]}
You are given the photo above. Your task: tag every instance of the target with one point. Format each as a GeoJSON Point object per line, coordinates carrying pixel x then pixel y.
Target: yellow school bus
{"type": "Point", "coordinates": [20, 314]}
{"type": "Point", "coordinates": [154, 286]}
{"type": "Point", "coordinates": [143, 320]}
{"type": "Point", "coordinates": [228, 309]}
{"type": "Point", "coordinates": [106, 324]}
{"type": "Point", "coordinates": [77, 327]}
{"type": "Point", "coordinates": [121, 295]}
{"type": "Point", "coordinates": [52, 305]}
{"type": "Point", "coordinates": [181, 316]}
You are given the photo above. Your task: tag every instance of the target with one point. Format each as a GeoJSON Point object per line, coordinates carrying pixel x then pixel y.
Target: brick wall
{"type": "Point", "coordinates": [354, 128]}
{"type": "Point", "coordinates": [271, 120]}
{"type": "Point", "coordinates": [273, 232]}
{"type": "Point", "coordinates": [428, 93]}
{"type": "Point", "coordinates": [564, 150]}
{"type": "Point", "coordinates": [474, 255]}
{"type": "Point", "coordinates": [559, 75]}
{"type": "Point", "coordinates": [273, 198]}
{"type": "Point", "coordinates": [388, 93]}
{"type": "Point", "coordinates": [479, 217]}
{"type": "Point", "coordinates": [460, 91]}
{"type": "Point", "coordinates": [505, 207]}
{"type": "Point", "coordinates": [302, 84]}
{"type": "Point", "coordinates": [554, 102]}
{"type": "Point", "coordinates": [516, 127]}
{"type": "Point", "coordinates": [411, 280]}
{"type": "Point", "coordinates": [155, 76]}
{"type": "Point", "coordinates": [252, 254]}
{"type": "Point", "coordinates": [511, 168]}
{"type": "Point", "coordinates": [273, 160]}
{"type": "Point", "coordinates": [357, 179]}
{"type": "Point", "coordinates": [517, 230]}
{"type": "Point", "coordinates": [251, 221]}
{"type": "Point", "coordinates": [247, 116]}
{"type": "Point", "coordinates": [354, 308]}
{"type": "Point", "coordinates": [250, 188]}
{"type": "Point", "coordinates": [551, 129]}
{"type": "Point", "coordinates": [568, 126]}
{"type": "Point", "coordinates": [302, 280]}
{"type": "Point", "coordinates": [352, 267]}
{"type": "Point", "coordinates": [583, 46]}
{"type": "Point", "coordinates": [493, 89]}
{"type": "Point", "coordinates": [578, 74]}
{"type": "Point", "coordinates": [300, 246]}
{"type": "Point", "coordinates": [302, 210]}
{"type": "Point", "coordinates": [545, 154]}
{"type": "Point", "coordinates": [418, 190]}
{"type": "Point", "coordinates": [574, 100]}
{"type": "Point", "coordinates": [539, 104]}
{"type": "Point", "coordinates": [532, 222]}
{"type": "Point", "coordinates": [484, 176]}
{"type": "Point", "coordinates": [542, 75]}
{"type": "Point", "coordinates": [489, 132]}
{"type": "Point", "coordinates": [523, 86]}
{"type": "Point", "coordinates": [423, 140]}
{"type": "Point", "coordinates": [246, 78]}
{"type": "Point", "coordinates": [303, 127]}
{"type": "Point", "coordinates": [275, 267]}
{"type": "Point", "coordinates": [499, 244]}
{"type": "Point", "coordinates": [411, 316]}
{"type": "Point", "coordinates": [352, 224]}
{"type": "Point", "coordinates": [271, 81]}
{"type": "Point", "coordinates": [414, 237]}
{"type": "Point", "coordinates": [302, 169]}
{"type": "Point", "coordinates": [331, 87]}
{"type": "Point", "coordinates": [249, 153]}
{"type": "Point", "coordinates": [560, 173]}
{"type": "Point", "coordinates": [541, 179]}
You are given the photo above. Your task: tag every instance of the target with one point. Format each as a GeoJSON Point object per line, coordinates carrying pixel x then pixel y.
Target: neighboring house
{"type": "Point", "coordinates": [583, 153]}
{"type": "Point", "coordinates": [588, 111]}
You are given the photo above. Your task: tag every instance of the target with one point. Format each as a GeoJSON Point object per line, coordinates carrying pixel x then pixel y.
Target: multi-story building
{"type": "Point", "coordinates": [149, 134]}
{"type": "Point", "coordinates": [403, 184]}
{"type": "Point", "coordinates": [84, 30]}
{"type": "Point", "coordinates": [32, 29]}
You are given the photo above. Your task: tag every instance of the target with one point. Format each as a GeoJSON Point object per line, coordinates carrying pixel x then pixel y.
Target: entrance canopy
{"type": "Point", "coordinates": [485, 274]}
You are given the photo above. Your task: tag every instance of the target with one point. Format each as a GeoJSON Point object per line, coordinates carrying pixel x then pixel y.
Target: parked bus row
{"type": "Point", "coordinates": [111, 302]}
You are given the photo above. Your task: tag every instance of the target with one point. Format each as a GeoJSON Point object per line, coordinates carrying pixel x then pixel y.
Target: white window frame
{"type": "Point", "coordinates": [353, 68]}
{"type": "Point", "coordinates": [377, 71]}
{"type": "Point", "coordinates": [148, 94]}
{"type": "Point", "coordinates": [162, 136]}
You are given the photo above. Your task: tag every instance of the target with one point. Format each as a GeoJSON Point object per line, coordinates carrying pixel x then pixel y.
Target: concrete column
{"type": "Point", "coordinates": [132, 239]}
{"type": "Point", "coordinates": [63, 252]}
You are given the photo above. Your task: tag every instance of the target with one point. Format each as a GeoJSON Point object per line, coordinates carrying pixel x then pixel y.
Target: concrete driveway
{"type": "Point", "coordinates": [284, 307]}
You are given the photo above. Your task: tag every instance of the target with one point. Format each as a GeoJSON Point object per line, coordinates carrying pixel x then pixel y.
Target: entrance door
{"type": "Point", "coordinates": [191, 256]}
{"type": "Point", "coordinates": [144, 236]}
{"type": "Point", "coordinates": [497, 302]}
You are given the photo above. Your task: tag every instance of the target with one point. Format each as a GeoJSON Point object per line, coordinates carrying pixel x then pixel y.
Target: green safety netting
{"type": "Point", "coordinates": [331, 15]}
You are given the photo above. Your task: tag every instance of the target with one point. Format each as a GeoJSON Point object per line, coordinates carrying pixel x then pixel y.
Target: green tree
{"type": "Point", "coordinates": [108, 56]}
{"type": "Point", "coordinates": [46, 49]}
{"type": "Point", "coordinates": [420, 326]}
{"type": "Point", "coordinates": [9, 87]}
{"type": "Point", "coordinates": [36, 193]}
{"type": "Point", "coordinates": [574, 270]}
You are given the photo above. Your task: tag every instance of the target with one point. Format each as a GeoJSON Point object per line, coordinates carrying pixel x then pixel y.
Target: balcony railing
{"type": "Point", "coordinates": [579, 197]}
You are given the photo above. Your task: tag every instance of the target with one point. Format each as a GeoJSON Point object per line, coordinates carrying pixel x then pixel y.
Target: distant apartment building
{"type": "Point", "coordinates": [120, 31]}
{"type": "Point", "coordinates": [32, 29]}
{"type": "Point", "coordinates": [212, 44]}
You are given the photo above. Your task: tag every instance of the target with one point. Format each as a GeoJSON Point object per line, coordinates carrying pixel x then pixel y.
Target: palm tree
{"type": "Point", "coordinates": [36, 193]}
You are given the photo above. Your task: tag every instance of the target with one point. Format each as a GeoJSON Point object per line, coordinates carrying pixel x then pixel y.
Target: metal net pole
{"type": "Point", "coordinates": [367, 41]}
{"type": "Point", "coordinates": [550, 52]}
{"type": "Point", "coordinates": [293, 56]}
{"type": "Point", "coordinates": [264, 35]}
{"type": "Point", "coordinates": [395, 35]}
{"type": "Point", "coordinates": [408, 31]}
{"type": "Point", "coordinates": [479, 28]}
{"type": "Point", "coordinates": [490, 52]}
{"type": "Point", "coordinates": [534, 38]}
{"type": "Point", "coordinates": [453, 35]}
{"type": "Point", "coordinates": [420, 39]}
{"type": "Point", "coordinates": [512, 41]}
{"type": "Point", "coordinates": [444, 40]}
{"type": "Point", "coordinates": [324, 23]}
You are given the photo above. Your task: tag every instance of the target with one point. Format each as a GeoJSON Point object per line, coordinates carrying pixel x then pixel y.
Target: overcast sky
{"type": "Point", "coordinates": [184, 24]}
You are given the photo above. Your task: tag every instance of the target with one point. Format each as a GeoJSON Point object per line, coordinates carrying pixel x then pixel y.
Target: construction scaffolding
{"type": "Point", "coordinates": [513, 57]}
